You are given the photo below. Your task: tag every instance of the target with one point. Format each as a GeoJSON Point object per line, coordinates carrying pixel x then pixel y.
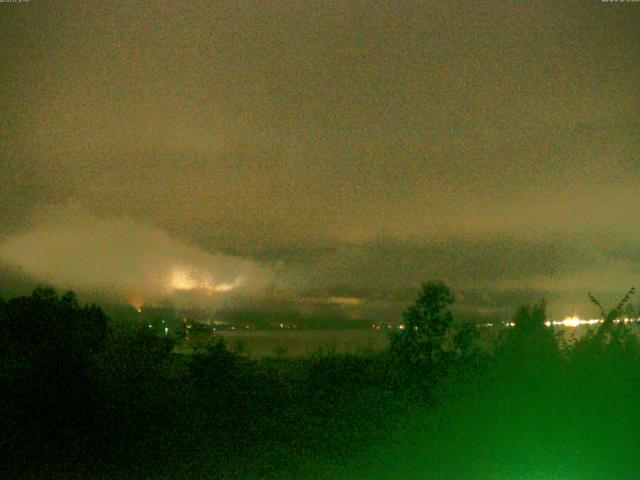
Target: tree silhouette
{"type": "Point", "coordinates": [530, 320]}
{"type": "Point", "coordinates": [47, 343]}
{"type": "Point", "coordinates": [426, 323]}
{"type": "Point", "coordinates": [615, 313]}
{"type": "Point", "coordinates": [610, 336]}
{"type": "Point", "coordinates": [530, 343]}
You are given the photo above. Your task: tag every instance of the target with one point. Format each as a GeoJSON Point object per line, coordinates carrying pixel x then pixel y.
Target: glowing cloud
{"type": "Point", "coordinates": [134, 261]}
{"type": "Point", "coordinates": [190, 279]}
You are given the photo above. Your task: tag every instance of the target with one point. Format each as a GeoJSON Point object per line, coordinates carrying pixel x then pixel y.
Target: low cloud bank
{"type": "Point", "coordinates": [127, 260]}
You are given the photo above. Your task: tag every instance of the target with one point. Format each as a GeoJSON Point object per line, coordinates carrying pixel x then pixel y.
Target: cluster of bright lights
{"type": "Point", "coordinates": [572, 322]}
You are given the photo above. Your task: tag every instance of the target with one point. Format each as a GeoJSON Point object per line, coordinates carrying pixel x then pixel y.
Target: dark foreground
{"type": "Point", "coordinates": [85, 397]}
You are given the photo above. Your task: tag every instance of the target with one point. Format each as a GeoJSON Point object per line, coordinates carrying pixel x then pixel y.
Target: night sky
{"type": "Point", "coordinates": [323, 153]}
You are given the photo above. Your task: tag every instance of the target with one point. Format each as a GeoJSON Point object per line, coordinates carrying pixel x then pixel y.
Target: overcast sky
{"type": "Point", "coordinates": [323, 149]}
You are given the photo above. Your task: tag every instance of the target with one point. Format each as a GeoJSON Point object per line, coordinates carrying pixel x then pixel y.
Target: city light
{"type": "Point", "coordinates": [569, 322]}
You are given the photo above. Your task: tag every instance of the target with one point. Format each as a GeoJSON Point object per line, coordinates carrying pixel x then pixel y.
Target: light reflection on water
{"type": "Point", "coordinates": [301, 342]}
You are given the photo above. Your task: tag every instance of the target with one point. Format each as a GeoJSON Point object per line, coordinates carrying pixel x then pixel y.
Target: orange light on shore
{"type": "Point", "coordinates": [137, 303]}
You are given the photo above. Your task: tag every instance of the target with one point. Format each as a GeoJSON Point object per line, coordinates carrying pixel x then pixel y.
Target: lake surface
{"type": "Point", "coordinates": [293, 343]}
{"type": "Point", "coordinates": [289, 343]}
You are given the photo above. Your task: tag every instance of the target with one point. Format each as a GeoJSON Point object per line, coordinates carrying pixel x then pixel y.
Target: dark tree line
{"type": "Point", "coordinates": [82, 392]}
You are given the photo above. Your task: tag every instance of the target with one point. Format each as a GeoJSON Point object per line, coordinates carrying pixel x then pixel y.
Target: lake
{"type": "Point", "coordinates": [289, 343]}
{"type": "Point", "coordinates": [293, 343]}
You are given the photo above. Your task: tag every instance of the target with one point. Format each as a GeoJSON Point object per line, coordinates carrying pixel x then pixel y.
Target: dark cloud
{"type": "Point", "coordinates": [354, 147]}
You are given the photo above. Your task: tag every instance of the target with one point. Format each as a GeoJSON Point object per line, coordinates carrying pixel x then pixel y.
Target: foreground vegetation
{"type": "Point", "coordinates": [84, 396]}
